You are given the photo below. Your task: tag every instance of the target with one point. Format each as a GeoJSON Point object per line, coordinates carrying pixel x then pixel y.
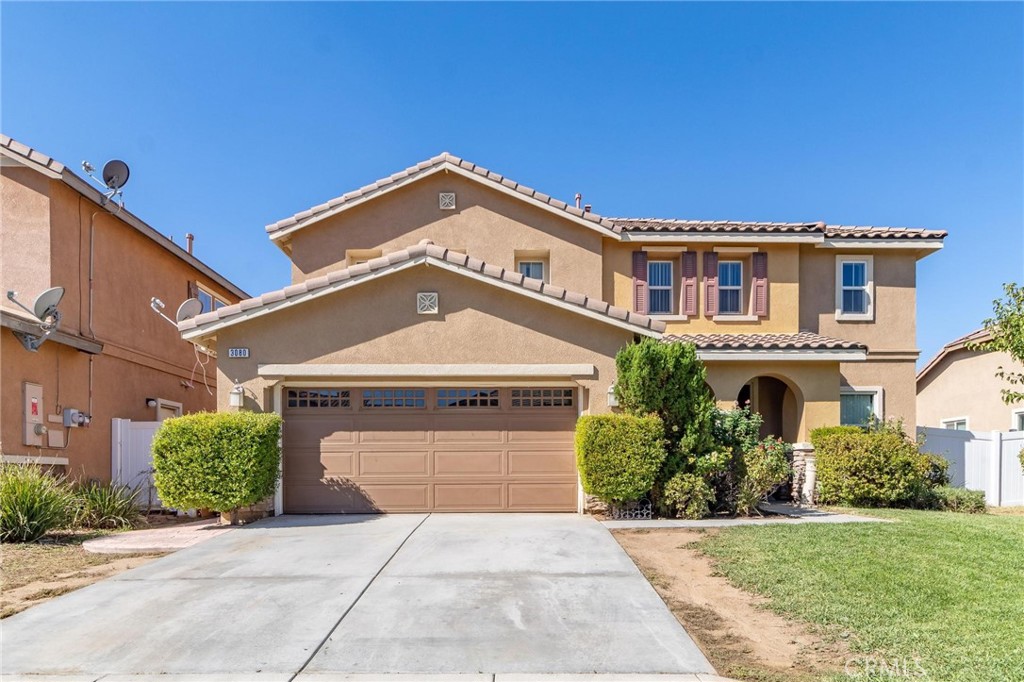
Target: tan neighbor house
{"type": "Point", "coordinates": [959, 389]}
{"type": "Point", "coordinates": [447, 325]}
{"type": "Point", "coordinates": [111, 356]}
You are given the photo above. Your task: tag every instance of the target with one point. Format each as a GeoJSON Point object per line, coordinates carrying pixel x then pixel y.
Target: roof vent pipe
{"type": "Point", "coordinates": [579, 199]}
{"type": "Point", "coordinates": [189, 238]}
{"type": "Point", "coordinates": [586, 209]}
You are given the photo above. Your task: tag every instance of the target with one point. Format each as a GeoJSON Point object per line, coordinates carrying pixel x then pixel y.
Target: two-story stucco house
{"type": "Point", "coordinates": [110, 356]}
{"type": "Point", "coordinates": [446, 326]}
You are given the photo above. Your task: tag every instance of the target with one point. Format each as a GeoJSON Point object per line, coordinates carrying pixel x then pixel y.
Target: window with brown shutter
{"type": "Point", "coordinates": [688, 297]}
{"type": "Point", "coordinates": [640, 282]}
{"type": "Point", "coordinates": [760, 283]}
{"type": "Point", "coordinates": [710, 283]}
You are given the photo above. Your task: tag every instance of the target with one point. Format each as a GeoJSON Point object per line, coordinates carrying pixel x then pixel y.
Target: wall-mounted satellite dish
{"type": "Point", "coordinates": [189, 309]}
{"type": "Point", "coordinates": [115, 174]}
{"type": "Point", "coordinates": [46, 303]}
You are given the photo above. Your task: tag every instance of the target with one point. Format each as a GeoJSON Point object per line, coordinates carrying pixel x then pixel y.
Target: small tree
{"type": "Point", "coordinates": [1006, 329]}
{"type": "Point", "coordinates": [220, 461]}
{"type": "Point", "coordinates": [669, 380]}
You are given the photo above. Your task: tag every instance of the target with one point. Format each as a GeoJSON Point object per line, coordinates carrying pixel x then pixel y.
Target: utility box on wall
{"type": "Point", "coordinates": [35, 415]}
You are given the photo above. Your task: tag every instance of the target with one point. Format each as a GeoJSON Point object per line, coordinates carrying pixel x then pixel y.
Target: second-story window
{"type": "Point", "coordinates": [659, 284]}
{"type": "Point", "coordinates": [209, 301]}
{"type": "Point", "coordinates": [854, 288]}
{"type": "Point", "coordinates": [534, 269]}
{"type": "Point", "coordinates": [730, 287]}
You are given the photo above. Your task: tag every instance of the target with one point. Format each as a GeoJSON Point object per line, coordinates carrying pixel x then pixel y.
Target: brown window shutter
{"type": "Point", "coordinates": [640, 282]}
{"type": "Point", "coordinates": [760, 283]}
{"type": "Point", "coordinates": [710, 283]}
{"type": "Point", "coordinates": [689, 283]}
{"type": "Point", "coordinates": [193, 289]}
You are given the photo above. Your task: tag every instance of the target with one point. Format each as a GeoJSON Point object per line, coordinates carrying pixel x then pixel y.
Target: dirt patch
{"type": "Point", "coordinates": [738, 635]}
{"type": "Point", "coordinates": [32, 573]}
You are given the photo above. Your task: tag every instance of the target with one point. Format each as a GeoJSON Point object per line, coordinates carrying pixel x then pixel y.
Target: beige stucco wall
{"type": "Point", "coordinates": [783, 287]}
{"type": "Point", "coordinates": [487, 225]}
{"type": "Point", "coordinates": [45, 231]}
{"type": "Point", "coordinates": [897, 379]}
{"type": "Point", "coordinates": [894, 327]}
{"type": "Point", "coordinates": [815, 388]}
{"type": "Point", "coordinates": [964, 384]}
{"type": "Point", "coordinates": [377, 323]}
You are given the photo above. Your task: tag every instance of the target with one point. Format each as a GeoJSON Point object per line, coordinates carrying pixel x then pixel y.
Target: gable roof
{"type": "Point", "coordinates": [977, 336]}
{"type": "Point", "coordinates": [425, 252]}
{"type": "Point", "coordinates": [28, 157]}
{"type": "Point", "coordinates": [441, 162]}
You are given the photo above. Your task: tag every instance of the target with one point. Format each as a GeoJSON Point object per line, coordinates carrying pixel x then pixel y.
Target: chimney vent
{"type": "Point", "coordinates": [586, 209]}
{"type": "Point", "coordinates": [579, 199]}
{"type": "Point", "coordinates": [189, 238]}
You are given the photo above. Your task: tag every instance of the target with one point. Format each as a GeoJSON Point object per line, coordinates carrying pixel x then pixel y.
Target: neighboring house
{"type": "Point", "coordinates": [111, 356]}
{"type": "Point", "coordinates": [959, 389]}
{"type": "Point", "coordinates": [447, 325]}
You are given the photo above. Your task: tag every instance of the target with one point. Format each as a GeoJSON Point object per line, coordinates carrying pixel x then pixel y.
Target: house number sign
{"type": "Point", "coordinates": [238, 352]}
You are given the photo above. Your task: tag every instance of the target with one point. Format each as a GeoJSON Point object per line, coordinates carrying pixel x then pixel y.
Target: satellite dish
{"type": "Point", "coordinates": [46, 303]}
{"type": "Point", "coordinates": [115, 174]}
{"type": "Point", "coordinates": [189, 309]}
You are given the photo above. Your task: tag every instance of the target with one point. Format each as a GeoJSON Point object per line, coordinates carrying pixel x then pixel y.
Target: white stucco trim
{"type": "Point", "coordinates": [735, 249]}
{"type": "Point", "coordinates": [426, 371]}
{"type": "Point", "coordinates": [209, 328]}
{"type": "Point", "coordinates": [786, 355]}
{"type": "Point", "coordinates": [913, 244]}
{"type": "Point", "coordinates": [32, 459]}
{"type": "Point", "coordinates": [719, 237]}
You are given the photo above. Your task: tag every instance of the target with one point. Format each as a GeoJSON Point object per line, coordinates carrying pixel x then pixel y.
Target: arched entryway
{"type": "Point", "coordinates": [778, 404]}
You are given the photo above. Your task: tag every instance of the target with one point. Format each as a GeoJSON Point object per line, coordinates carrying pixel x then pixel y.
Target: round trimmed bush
{"type": "Point", "coordinates": [619, 455]}
{"type": "Point", "coordinates": [220, 461]}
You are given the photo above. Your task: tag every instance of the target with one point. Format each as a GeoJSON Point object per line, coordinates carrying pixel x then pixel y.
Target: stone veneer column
{"type": "Point", "coordinates": [804, 473]}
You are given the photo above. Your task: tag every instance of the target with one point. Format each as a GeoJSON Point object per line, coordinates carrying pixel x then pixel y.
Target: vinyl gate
{"type": "Point", "coordinates": [981, 460]}
{"type": "Point", "coordinates": [131, 458]}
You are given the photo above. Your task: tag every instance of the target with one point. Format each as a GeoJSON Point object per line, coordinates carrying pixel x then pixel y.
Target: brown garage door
{"type": "Point", "coordinates": [429, 449]}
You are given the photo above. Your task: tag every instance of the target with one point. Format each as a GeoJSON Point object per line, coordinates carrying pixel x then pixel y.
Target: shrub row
{"type": "Point", "coordinates": [34, 502]}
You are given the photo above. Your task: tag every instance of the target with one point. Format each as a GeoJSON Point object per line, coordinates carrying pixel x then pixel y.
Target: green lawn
{"type": "Point", "coordinates": [944, 589]}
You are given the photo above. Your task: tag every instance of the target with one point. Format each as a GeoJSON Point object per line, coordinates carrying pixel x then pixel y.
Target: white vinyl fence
{"type": "Point", "coordinates": [981, 460]}
{"type": "Point", "coordinates": [131, 458]}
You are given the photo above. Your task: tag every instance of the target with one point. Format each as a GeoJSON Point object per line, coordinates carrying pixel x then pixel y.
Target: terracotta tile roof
{"type": "Point", "coordinates": [798, 341]}
{"type": "Point", "coordinates": [739, 226]}
{"type": "Point", "coordinates": [675, 225]}
{"type": "Point", "coordinates": [428, 250]}
{"type": "Point", "coordinates": [424, 167]}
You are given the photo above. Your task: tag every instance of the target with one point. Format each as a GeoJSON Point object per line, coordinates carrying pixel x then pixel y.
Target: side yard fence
{"type": "Point", "coordinates": [981, 460]}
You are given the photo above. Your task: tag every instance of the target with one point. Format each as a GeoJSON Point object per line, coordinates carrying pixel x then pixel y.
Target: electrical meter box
{"type": "Point", "coordinates": [35, 415]}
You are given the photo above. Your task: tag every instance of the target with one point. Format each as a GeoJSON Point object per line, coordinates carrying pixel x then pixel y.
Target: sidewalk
{"type": "Point", "coordinates": [154, 540]}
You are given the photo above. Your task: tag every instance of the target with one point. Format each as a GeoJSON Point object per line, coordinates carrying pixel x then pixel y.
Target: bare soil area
{"type": "Point", "coordinates": [739, 636]}
{"type": "Point", "coordinates": [34, 572]}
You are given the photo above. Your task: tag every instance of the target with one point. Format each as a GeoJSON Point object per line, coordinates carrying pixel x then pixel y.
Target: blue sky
{"type": "Point", "coordinates": [236, 115]}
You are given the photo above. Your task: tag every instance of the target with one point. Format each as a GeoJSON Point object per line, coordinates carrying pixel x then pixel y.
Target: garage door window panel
{"type": "Point", "coordinates": [414, 398]}
{"type": "Point", "coordinates": [448, 398]}
{"type": "Point", "coordinates": [319, 398]}
{"type": "Point", "coordinates": [542, 397]}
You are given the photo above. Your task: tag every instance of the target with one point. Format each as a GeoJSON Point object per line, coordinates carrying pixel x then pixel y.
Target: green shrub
{"type": "Point", "coordinates": [938, 471]}
{"type": "Point", "coordinates": [32, 503]}
{"type": "Point", "coordinates": [105, 505]}
{"type": "Point", "coordinates": [870, 468]}
{"type": "Point", "coordinates": [619, 455]}
{"type": "Point", "coordinates": [945, 498]}
{"type": "Point", "coordinates": [823, 431]}
{"type": "Point", "coordinates": [669, 380]}
{"type": "Point", "coordinates": [688, 496]}
{"type": "Point", "coordinates": [219, 461]}
{"type": "Point", "coordinates": [767, 466]}
{"type": "Point", "coordinates": [735, 433]}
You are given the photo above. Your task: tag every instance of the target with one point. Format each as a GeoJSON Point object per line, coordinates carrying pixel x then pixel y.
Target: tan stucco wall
{"type": "Point", "coordinates": [783, 287]}
{"type": "Point", "coordinates": [143, 356]}
{"type": "Point", "coordinates": [964, 384]}
{"type": "Point", "coordinates": [815, 388]}
{"type": "Point", "coordinates": [896, 377]}
{"type": "Point", "coordinates": [894, 326]}
{"type": "Point", "coordinates": [377, 323]}
{"type": "Point", "coordinates": [486, 224]}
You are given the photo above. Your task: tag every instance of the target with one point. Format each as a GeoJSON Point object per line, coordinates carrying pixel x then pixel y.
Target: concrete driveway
{"type": "Point", "coordinates": [482, 596]}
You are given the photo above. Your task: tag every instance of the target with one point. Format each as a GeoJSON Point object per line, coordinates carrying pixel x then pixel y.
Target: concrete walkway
{"type": "Point", "coordinates": [157, 540]}
{"type": "Point", "coordinates": [516, 598]}
{"type": "Point", "coordinates": [779, 513]}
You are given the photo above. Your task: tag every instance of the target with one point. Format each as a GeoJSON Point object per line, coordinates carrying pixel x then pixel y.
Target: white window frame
{"type": "Point", "coordinates": [167, 404]}
{"type": "Point", "coordinates": [543, 268]}
{"type": "Point", "coordinates": [215, 301]}
{"type": "Point", "coordinates": [671, 287]}
{"type": "Point", "coordinates": [868, 288]}
{"type": "Point", "coordinates": [946, 423]}
{"type": "Point", "coordinates": [1015, 419]}
{"type": "Point", "coordinates": [878, 401]}
{"type": "Point", "coordinates": [733, 287]}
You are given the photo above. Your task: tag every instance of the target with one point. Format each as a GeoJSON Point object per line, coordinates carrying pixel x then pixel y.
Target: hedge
{"type": "Point", "coordinates": [219, 461]}
{"type": "Point", "coordinates": [619, 455]}
{"type": "Point", "coordinates": [879, 468]}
